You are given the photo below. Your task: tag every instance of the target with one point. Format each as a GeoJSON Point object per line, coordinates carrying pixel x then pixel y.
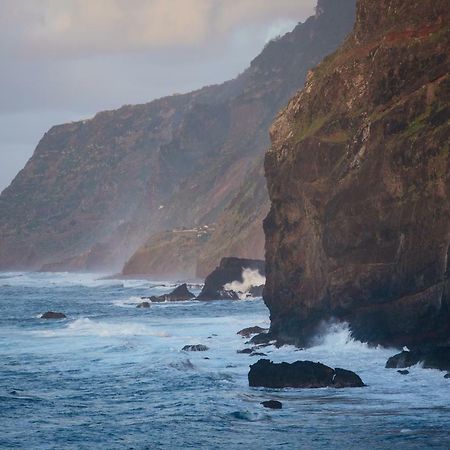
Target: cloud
{"type": "Point", "coordinates": [84, 27]}
{"type": "Point", "coordinates": [64, 60]}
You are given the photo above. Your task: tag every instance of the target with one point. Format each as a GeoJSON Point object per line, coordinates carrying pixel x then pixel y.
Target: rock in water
{"type": "Point", "coordinates": [430, 357]}
{"type": "Point", "coordinates": [229, 270]}
{"type": "Point", "coordinates": [346, 378]}
{"type": "Point", "coordinates": [195, 348]}
{"type": "Point", "coordinates": [359, 179]}
{"type": "Point", "coordinates": [300, 374]}
{"type": "Point", "coordinates": [272, 404]}
{"type": "Point", "coordinates": [53, 315]}
{"type": "Point", "coordinates": [179, 294]}
{"type": "Point", "coordinates": [402, 360]}
{"type": "Point", "coordinates": [247, 332]}
{"type": "Point", "coordinates": [403, 372]}
{"type": "Point", "coordinates": [143, 305]}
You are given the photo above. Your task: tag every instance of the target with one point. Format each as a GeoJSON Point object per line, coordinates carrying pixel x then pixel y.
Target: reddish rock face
{"type": "Point", "coordinates": [359, 182]}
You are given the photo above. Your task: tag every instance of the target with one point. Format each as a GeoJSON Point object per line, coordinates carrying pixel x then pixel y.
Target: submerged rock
{"type": "Point", "coordinates": [143, 305]}
{"type": "Point", "coordinates": [447, 375]}
{"type": "Point", "coordinates": [403, 372]}
{"type": "Point", "coordinates": [195, 348]}
{"type": "Point", "coordinates": [430, 358]}
{"type": "Point", "coordinates": [247, 332]}
{"type": "Point", "coordinates": [228, 271]}
{"type": "Point", "coordinates": [53, 315]}
{"type": "Point", "coordinates": [272, 404]}
{"type": "Point", "coordinates": [300, 374]}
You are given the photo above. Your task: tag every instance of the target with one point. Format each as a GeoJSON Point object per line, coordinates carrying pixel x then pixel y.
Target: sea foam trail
{"type": "Point", "coordinates": [88, 327]}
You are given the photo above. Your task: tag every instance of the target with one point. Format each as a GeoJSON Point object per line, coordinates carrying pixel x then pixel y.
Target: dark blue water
{"type": "Point", "coordinates": [112, 376]}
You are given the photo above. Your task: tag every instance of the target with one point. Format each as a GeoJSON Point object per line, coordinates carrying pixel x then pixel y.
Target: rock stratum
{"type": "Point", "coordinates": [359, 182]}
{"type": "Point", "coordinates": [95, 190]}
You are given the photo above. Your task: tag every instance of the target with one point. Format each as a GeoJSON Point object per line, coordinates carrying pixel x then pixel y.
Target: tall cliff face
{"type": "Point", "coordinates": [359, 182]}
{"type": "Point", "coordinates": [280, 69]}
{"type": "Point", "coordinates": [94, 190]}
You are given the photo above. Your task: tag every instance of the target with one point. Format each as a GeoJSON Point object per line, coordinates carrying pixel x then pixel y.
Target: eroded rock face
{"type": "Point", "coordinates": [300, 374]}
{"type": "Point", "coordinates": [359, 182]}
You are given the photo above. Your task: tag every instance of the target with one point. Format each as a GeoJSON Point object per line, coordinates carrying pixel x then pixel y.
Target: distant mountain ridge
{"type": "Point", "coordinates": [95, 190]}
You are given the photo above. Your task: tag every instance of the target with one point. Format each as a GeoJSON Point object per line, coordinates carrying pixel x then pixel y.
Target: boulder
{"type": "Point", "coordinates": [247, 332]}
{"type": "Point", "coordinates": [245, 350]}
{"type": "Point", "coordinates": [403, 372]}
{"type": "Point", "coordinates": [300, 374]}
{"type": "Point", "coordinates": [143, 305]}
{"type": "Point", "coordinates": [53, 315]}
{"type": "Point", "coordinates": [430, 358]}
{"type": "Point", "coordinates": [402, 360]}
{"type": "Point", "coordinates": [179, 294]}
{"type": "Point", "coordinates": [195, 348]}
{"type": "Point", "coordinates": [346, 378]}
{"type": "Point", "coordinates": [229, 270]}
{"type": "Point", "coordinates": [272, 404]}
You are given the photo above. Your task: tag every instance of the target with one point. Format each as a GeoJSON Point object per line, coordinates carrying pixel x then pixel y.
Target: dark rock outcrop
{"type": "Point", "coordinates": [143, 305]}
{"type": "Point", "coordinates": [256, 291]}
{"type": "Point", "coordinates": [245, 351]}
{"type": "Point", "coordinates": [403, 372]}
{"type": "Point", "coordinates": [195, 348]}
{"type": "Point", "coordinates": [300, 374]}
{"type": "Point", "coordinates": [359, 182]}
{"type": "Point", "coordinates": [247, 332]}
{"type": "Point", "coordinates": [229, 270]}
{"type": "Point", "coordinates": [272, 404]}
{"type": "Point", "coordinates": [53, 315]}
{"type": "Point", "coordinates": [430, 358]}
{"type": "Point", "coordinates": [179, 294]}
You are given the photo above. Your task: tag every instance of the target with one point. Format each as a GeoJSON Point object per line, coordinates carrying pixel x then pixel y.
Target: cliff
{"type": "Point", "coordinates": [95, 190]}
{"type": "Point", "coordinates": [359, 182]}
{"type": "Point", "coordinates": [238, 228]}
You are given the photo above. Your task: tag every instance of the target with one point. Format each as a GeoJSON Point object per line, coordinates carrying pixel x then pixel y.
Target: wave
{"type": "Point", "coordinates": [88, 327]}
{"type": "Point", "coordinates": [250, 278]}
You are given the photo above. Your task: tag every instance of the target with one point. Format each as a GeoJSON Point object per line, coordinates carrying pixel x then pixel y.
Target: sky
{"type": "Point", "coordinates": [64, 60]}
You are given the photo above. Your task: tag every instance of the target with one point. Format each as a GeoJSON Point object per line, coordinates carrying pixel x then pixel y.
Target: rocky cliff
{"type": "Point", "coordinates": [359, 182]}
{"type": "Point", "coordinates": [238, 229]}
{"type": "Point", "coordinates": [95, 190]}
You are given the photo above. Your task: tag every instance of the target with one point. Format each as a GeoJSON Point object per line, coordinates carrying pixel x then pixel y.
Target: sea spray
{"type": "Point", "coordinates": [250, 278]}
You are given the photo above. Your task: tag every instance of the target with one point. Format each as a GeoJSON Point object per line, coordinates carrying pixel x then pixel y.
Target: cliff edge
{"type": "Point", "coordinates": [359, 182]}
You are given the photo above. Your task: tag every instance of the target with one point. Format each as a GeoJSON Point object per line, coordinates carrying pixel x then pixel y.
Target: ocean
{"type": "Point", "coordinates": [112, 376]}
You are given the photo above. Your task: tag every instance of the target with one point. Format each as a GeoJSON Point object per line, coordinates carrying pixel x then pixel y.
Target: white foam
{"type": "Point", "coordinates": [250, 278]}
{"type": "Point", "coordinates": [88, 327]}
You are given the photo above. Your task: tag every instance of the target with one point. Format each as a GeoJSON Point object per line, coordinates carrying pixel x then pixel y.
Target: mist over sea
{"type": "Point", "coordinates": [113, 376]}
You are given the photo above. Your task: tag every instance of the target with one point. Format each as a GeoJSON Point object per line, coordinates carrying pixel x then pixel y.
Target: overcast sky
{"type": "Point", "coordinates": [65, 60]}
